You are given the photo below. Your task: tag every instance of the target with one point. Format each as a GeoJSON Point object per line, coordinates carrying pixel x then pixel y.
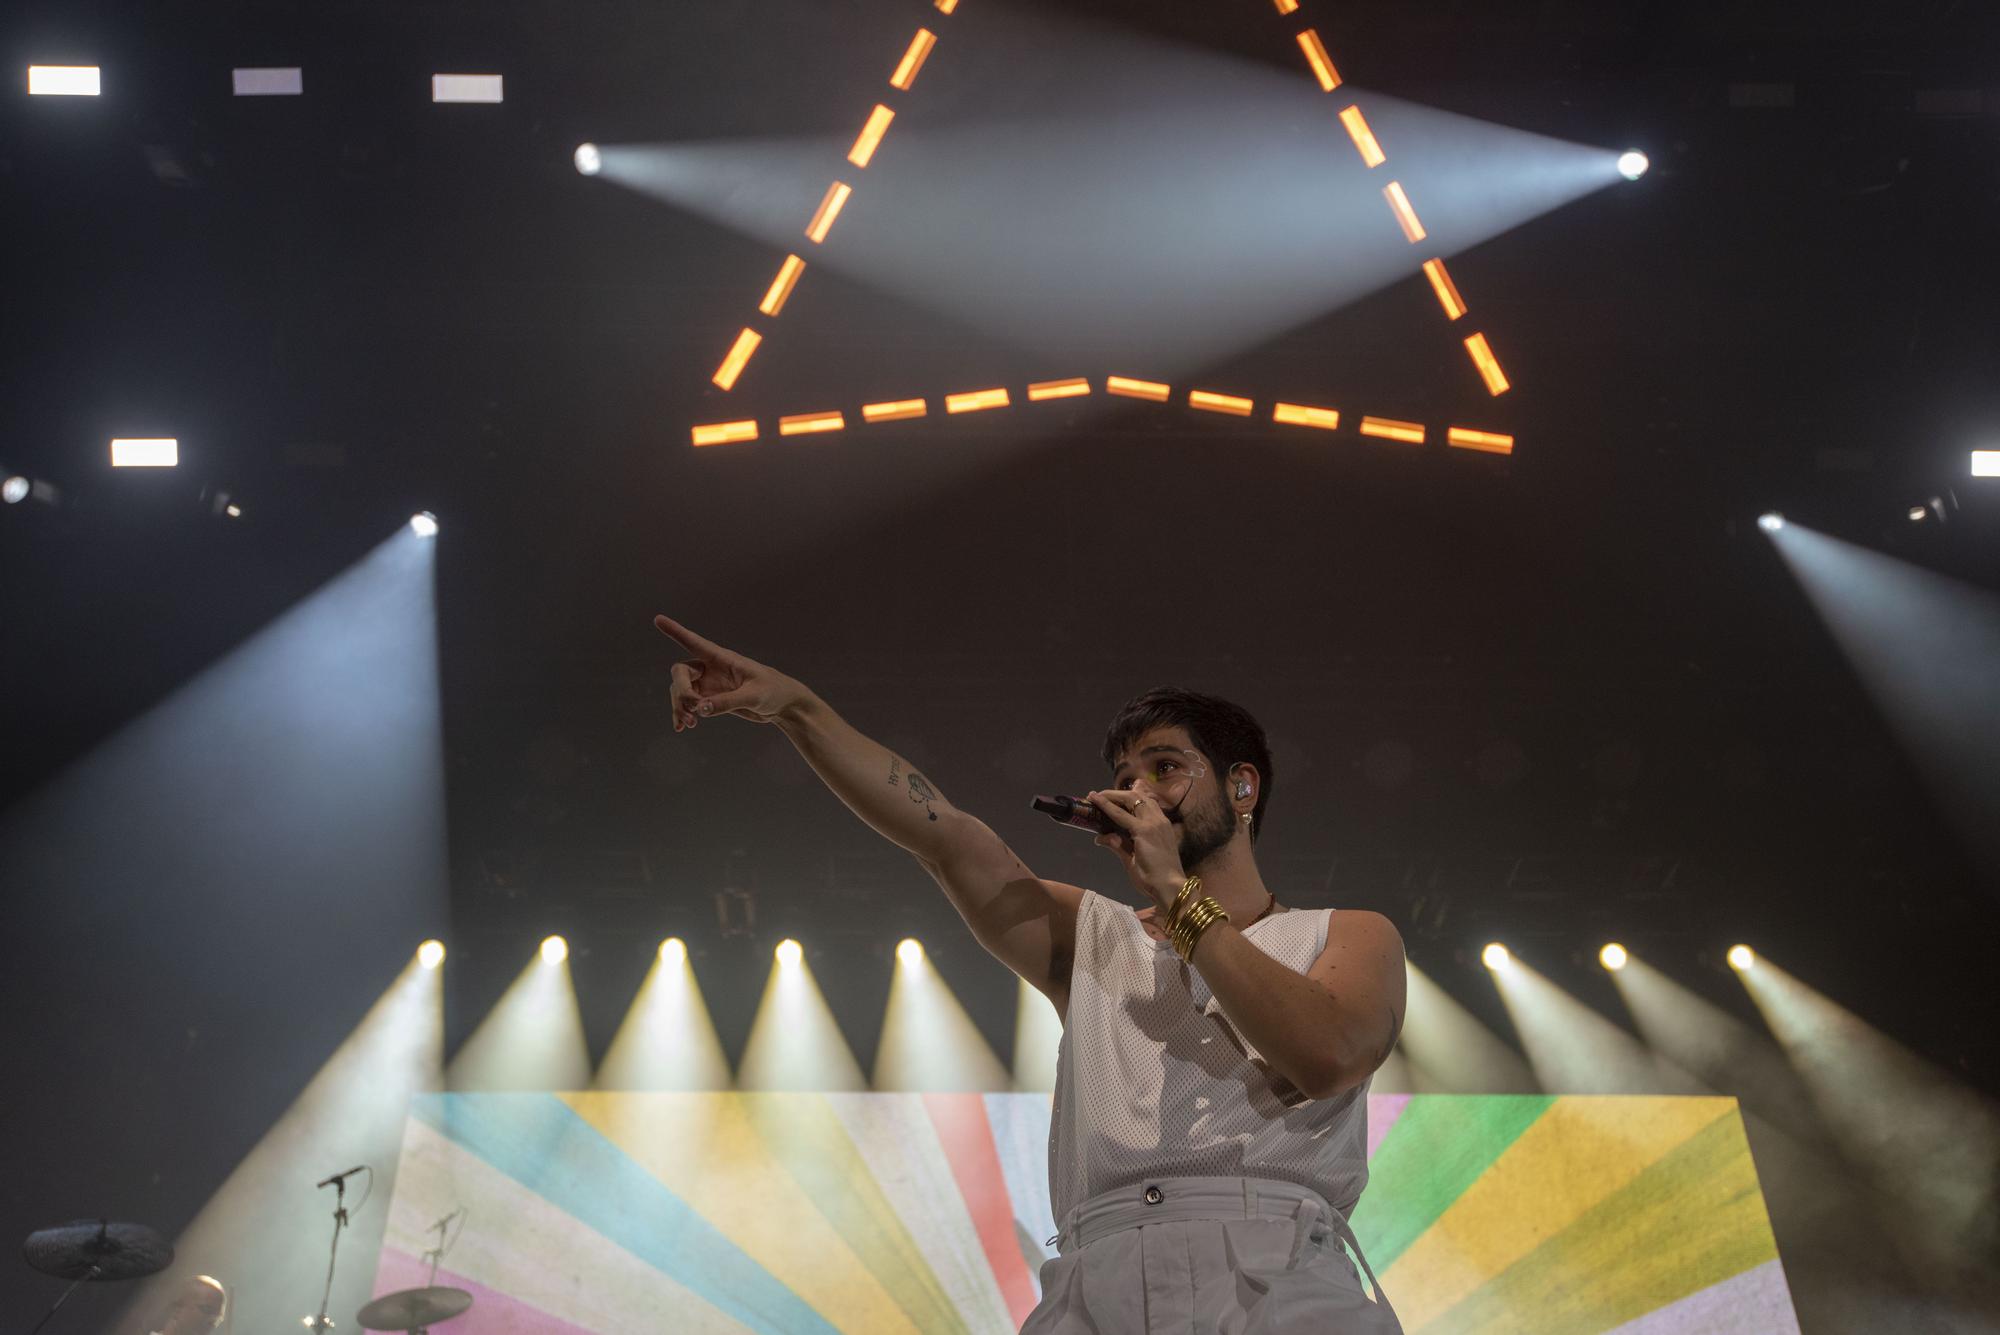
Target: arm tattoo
{"type": "Point", "coordinates": [893, 766]}
{"type": "Point", "coordinates": [922, 793]}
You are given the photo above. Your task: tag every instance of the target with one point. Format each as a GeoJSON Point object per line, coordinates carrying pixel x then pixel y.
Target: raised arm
{"type": "Point", "coordinates": [1026, 923]}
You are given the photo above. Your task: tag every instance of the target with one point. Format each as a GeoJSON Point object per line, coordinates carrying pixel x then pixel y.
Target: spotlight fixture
{"type": "Point", "coordinates": [673, 950]}
{"type": "Point", "coordinates": [63, 81]}
{"type": "Point", "coordinates": [789, 953]}
{"type": "Point", "coordinates": [1741, 958]}
{"type": "Point", "coordinates": [1612, 957]}
{"type": "Point", "coordinates": [1919, 513]}
{"type": "Point", "coordinates": [15, 489]}
{"type": "Point", "coordinates": [1494, 956]}
{"type": "Point", "coordinates": [1770, 521]}
{"type": "Point", "coordinates": [162, 452]}
{"type": "Point", "coordinates": [909, 951]}
{"type": "Point", "coordinates": [233, 511]}
{"type": "Point", "coordinates": [554, 950]}
{"type": "Point", "coordinates": [588, 160]}
{"type": "Point", "coordinates": [424, 524]}
{"type": "Point", "coordinates": [430, 954]}
{"type": "Point", "coordinates": [1986, 463]}
{"type": "Point", "coordinates": [1632, 164]}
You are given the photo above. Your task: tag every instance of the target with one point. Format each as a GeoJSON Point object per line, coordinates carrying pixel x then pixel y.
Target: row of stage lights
{"type": "Point", "coordinates": [673, 951]}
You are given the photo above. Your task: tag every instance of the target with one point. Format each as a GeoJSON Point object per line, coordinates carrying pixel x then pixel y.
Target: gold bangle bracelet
{"type": "Point", "coordinates": [1188, 886]}
{"type": "Point", "coordinates": [1187, 933]}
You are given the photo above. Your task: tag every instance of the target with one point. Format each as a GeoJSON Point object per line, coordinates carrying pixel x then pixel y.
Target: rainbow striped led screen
{"type": "Point", "coordinates": [927, 1213]}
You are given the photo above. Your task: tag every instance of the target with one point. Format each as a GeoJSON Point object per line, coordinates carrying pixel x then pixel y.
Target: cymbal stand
{"type": "Point", "coordinates": [92, 1273]}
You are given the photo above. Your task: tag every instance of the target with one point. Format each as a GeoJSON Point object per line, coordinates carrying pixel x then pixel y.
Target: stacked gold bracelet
{"type": "Point", "coordinates": [1187, 929]}
{"type": "Point", "coordinates": [1188, 887]}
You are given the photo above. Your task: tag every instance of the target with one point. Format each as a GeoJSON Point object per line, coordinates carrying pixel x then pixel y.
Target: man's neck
{"type": "Point", "coordinates": [1232, 878]}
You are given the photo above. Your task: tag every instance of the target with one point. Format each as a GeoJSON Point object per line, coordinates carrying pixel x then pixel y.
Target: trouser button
{"type": "Point", "coordinates": [1154, 1196]}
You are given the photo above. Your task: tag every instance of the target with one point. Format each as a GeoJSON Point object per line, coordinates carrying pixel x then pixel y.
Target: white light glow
{"type": "Point", "coordinates": [1770, 521]}
{"type": "Point", "coordinates": [1494, 956]}
{"type": "Point", "coordinates": [63, 80]}
{"type": "Point", "coordinates": [164, 453]}
{"type": "Point", "coordinates": [588, 160]}
{"type": "Point", "coordinates": [15, 490]}
{"type": "Point", "coordinates": [909, 951]}
{"type": "Point", "coordinates": [789, 953]}
{"type": "Point", "coordinates": [1986, 463]}
{"type": "Point", "coordinates": [673, 950]}
{"type": "Point", "coordinates": [1613, 957]}
{"type": "Point", "coordinates": [1632, 164]}
{"type": "Point", "coordinates": [1741, 958]}
{"type": "Point", "coordinates": [430, 954]}
{"type": "Point", "coordinates": [554, 950]}
{"type": "Point", "coordinates": [465, 88]}
{"type": "Point", "coordinates": [233, 511]}
{"type": "Point", "coordinates": [424, 524]}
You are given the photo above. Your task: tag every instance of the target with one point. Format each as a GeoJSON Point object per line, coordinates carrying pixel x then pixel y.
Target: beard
{"type": "Point", "coordinates": [1205, 831]}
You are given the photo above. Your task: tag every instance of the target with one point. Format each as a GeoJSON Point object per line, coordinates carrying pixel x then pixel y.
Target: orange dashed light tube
{"type": "Point", "coordinates": [1454, 305]}
{"type": "Point", "coordinates": [1219, 403]}
{"type": "Point", "coordinates": [1399, 203]}
{"type": "Point", "coordinates": [1137, 389]}
{"type": "Point", "coordinates": [1297, 414]}
{"type": "Point", "coordinates": [806, 424]}
{"type": "Point", "coordinates": [724, 433]}
{"type": "Point", "coordinates": [1465, 438]}
{"type": "Point", "coordinates": [739, 355]}
{"type": "Point", "coordinates": [913, 60]}
{"type": "Point", "coordinates": [946, 6]}
{"type": "Point", "coordinates": [870, 137]}
{"type": "Point", "coordinates": [1058, 389]}
{"type": "Point", "coordinates": [1323, 70]}
{"type": "Point", "coordinates": [975, 400]}
{"type": "Point", "coordinates": [1286, 6]}
{"type": "Point", "coordinates": [894, 411]}
{"type": "Point", "coordinates": [1389, 429]}
{"type": "Point", "coordinates": [1488, 364]}
{"type": "Point", "coordinates": [781, 286]}
{"type": "Point", "coordinates": [829, 209]}
{"type": "Point", "coordinates": [1363, 137]}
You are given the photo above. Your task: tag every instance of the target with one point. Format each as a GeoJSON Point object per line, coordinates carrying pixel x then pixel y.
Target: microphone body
{"type": "Point", "coordinates": [341, 1177]}
{"type": "Point", "coordinates": [1074, 812]}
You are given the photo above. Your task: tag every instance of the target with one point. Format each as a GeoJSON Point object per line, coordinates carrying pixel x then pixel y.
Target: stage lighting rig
{"type": "Point", "coordinates": [1632, 164]}
{"type": "Point", "coordinates": [588, 160]}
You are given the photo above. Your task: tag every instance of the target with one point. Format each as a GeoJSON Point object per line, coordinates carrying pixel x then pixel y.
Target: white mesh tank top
{"type": "Point", "coordinates": [1153, 1081]}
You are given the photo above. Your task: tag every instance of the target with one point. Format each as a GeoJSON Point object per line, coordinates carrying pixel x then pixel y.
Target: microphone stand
{"type": "Point", "coordinates": [323, 1321]}
{"type": "Point", "coordinates": [91, 1273]}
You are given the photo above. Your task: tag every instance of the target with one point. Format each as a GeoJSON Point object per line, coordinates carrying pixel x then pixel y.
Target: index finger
{"type": "Point", "coordinates": [686, 638]}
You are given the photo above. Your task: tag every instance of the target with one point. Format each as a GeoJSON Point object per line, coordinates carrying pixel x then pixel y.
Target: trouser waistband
{"type": "Point", "coordinates": [1169, 1200]}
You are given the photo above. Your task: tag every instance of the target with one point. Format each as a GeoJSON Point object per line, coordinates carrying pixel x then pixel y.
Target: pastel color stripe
{"type": "Point", "coordinates": [1692, 1219]}
{"type": "Point", "coordinates": [1576, 1154]}
{"type": "Point", "coordinates": [1436, 1149]}
{"type": "Point", "coordinates": [806, 1137]}
{"type": "Point", "coordinates": [1383, 1112]}
{"type": "Point", "coordinates": [517, 1240]}
{"type": "Point", "coordinates": [899, 1150]}
{"type": "Point", "coordinates": [1756, 1302]}
{"type": "Point", "coordinates": [711, 1150]}
{"type": "Point", "coordinates": [1020, 1125]}
{"type": "Point", "coordinates": [541, 1143]}
{"type": "Point", "coordinates": [968, 1142]}
{"type": "Point", "coordinates": [492, 1312]}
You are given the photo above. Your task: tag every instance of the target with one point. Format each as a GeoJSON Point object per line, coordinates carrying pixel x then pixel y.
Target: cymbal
{"type": "Point", "coordinates": [117, 1251]}
{"type": "Point", "coordinates": [411, 1308]}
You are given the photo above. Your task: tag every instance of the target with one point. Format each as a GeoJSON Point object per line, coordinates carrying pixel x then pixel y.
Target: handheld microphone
{"type": "Point", "coordinates": [1074, 812]}
{"type": "Point", "coordinates": [340, 1177]}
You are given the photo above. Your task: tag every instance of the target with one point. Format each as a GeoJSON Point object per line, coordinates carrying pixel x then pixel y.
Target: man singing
{"type": "Point", "coordinates": [1209, 1132]}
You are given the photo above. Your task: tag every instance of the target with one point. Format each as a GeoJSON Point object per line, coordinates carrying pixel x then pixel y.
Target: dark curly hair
{"type": "Point", "coordinates": [1223, 732]}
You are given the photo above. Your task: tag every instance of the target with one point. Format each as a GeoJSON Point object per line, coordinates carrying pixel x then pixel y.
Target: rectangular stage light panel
{"type": "Point", "coordinates": [739, 356]}
{"type": "Point", "coordinates": [829, 209]}
{"type": "Point", "coordinates": [1489, 442]}
{"type": "Point", "coordinates": [1316, 56]}
{"type": "Point", "coordinates": [725, 433]}
{"type": "Point", "coordinates": [149, 453]}
{"type": "Point", "coordinates": [1058, 389]}
{"type": "Point", "coordinates": [870, 137]}
{"type": "Point", "coordinates": [465, 88]}
{"type": "Point", "coordinates": [274, 82]}
{"type": "Point", "coordinates": [1388, 428]}
{"type": "Point", "coordinates": [1447, 291]}
{"type": "Point", "coordinates": [913, 60]}
{"type": "Point", "coordinates": [63, 80]}
{"type": "Point", "coordinates": [1363, 137]}
{"type": "Point", "coordinates": [1986, 463]}
{"type": "Point", "coordinates": [809, 424]}
{"type": "Point", "coordinates": [782, 285]}
{"type": "Point", "coordinates": [1488, 364]}
{"type": "Point", "coordinates": [1126, 387]}
{"type": "Point", "coordinates": [1219, 403]}
{"type": "Point", "coordinates": [896, 411]}
{"type": "Point", "coordinates": [977, 400]}
{"type": "Point", "coordinates": [1297, 414]}
{"type": "Point", "coordinates": [1406, 217]}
